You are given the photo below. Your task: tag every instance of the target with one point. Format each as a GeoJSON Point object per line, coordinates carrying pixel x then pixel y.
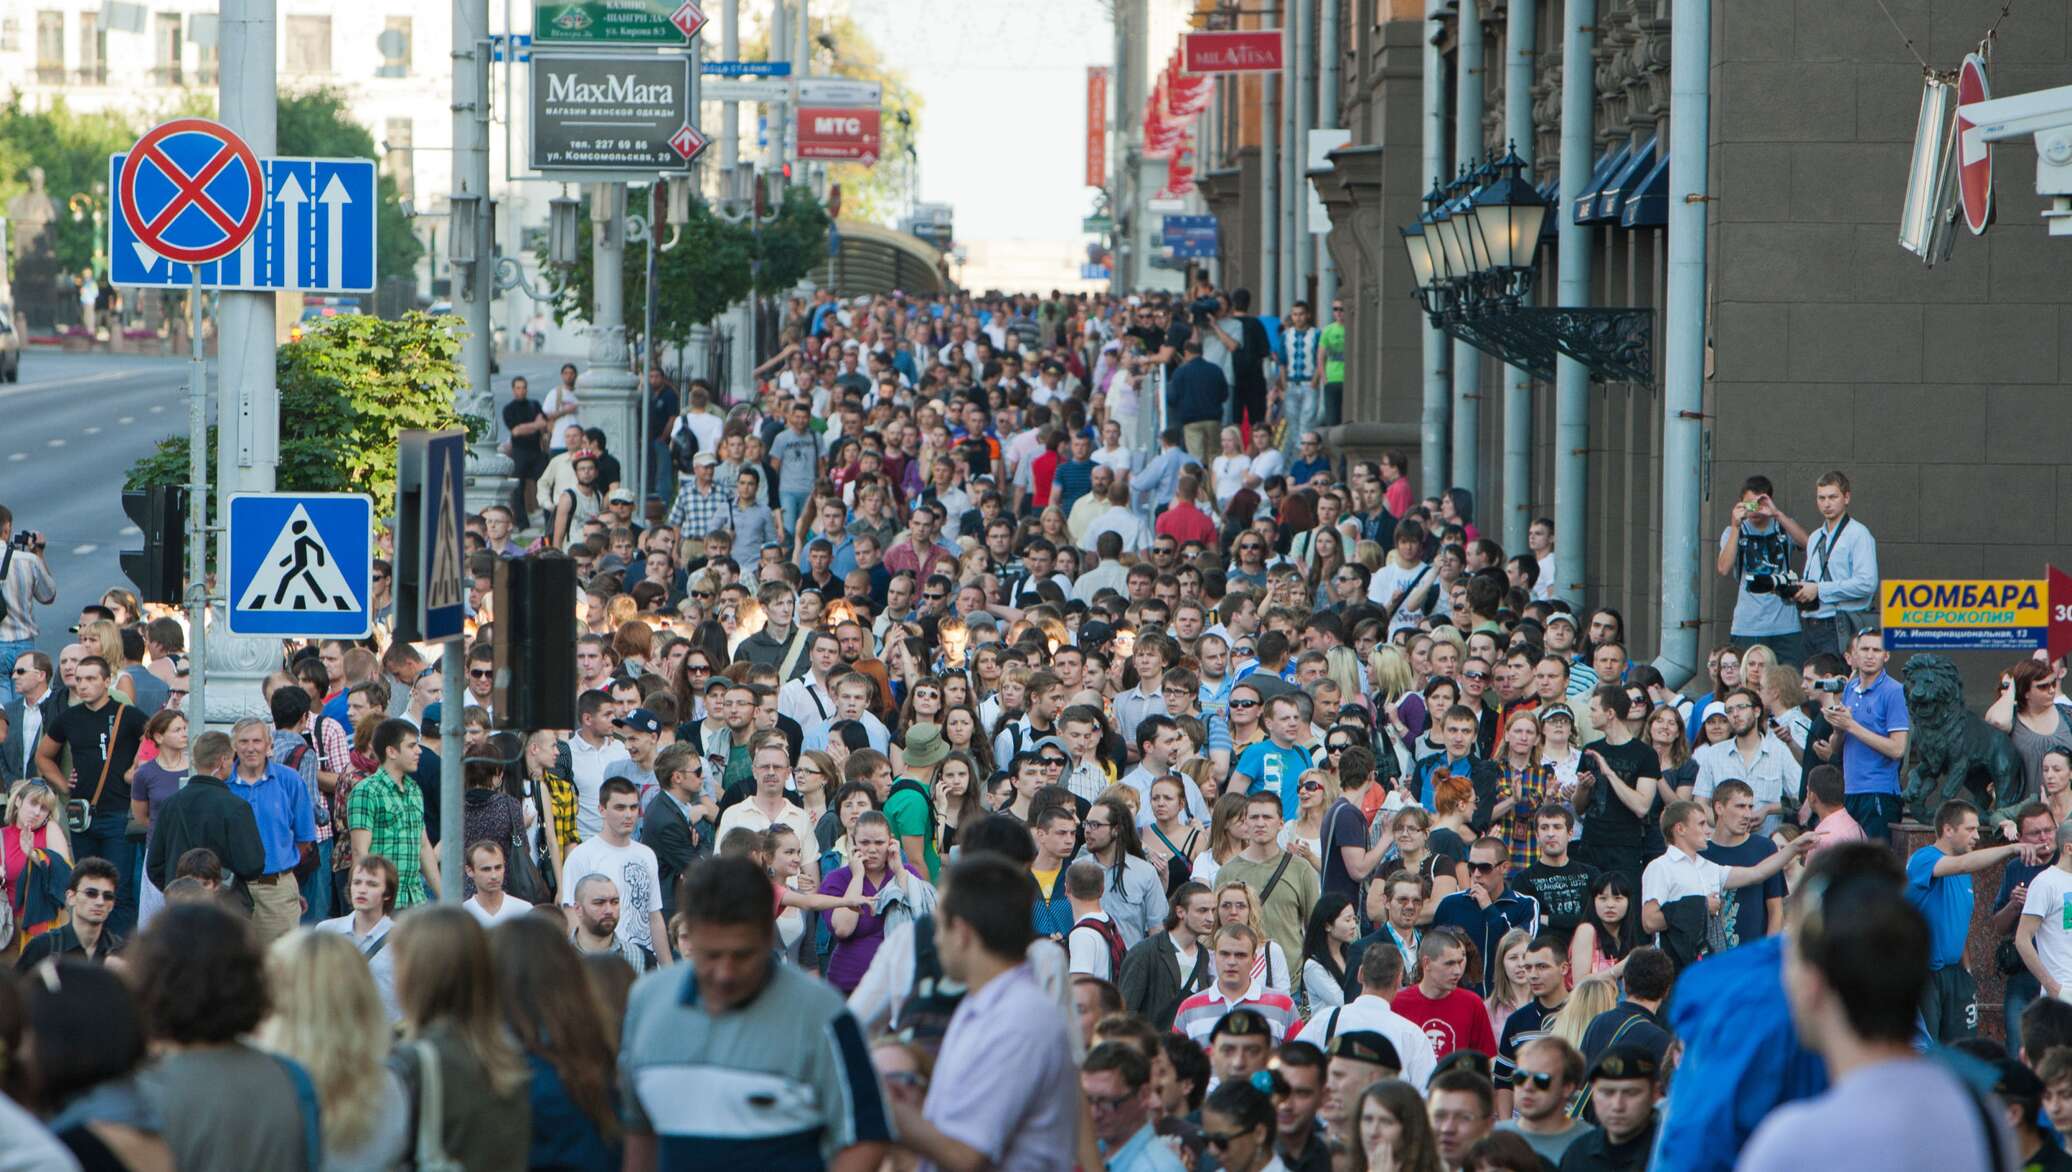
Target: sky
{"type": "Point", "coordinates": [1003, 86]}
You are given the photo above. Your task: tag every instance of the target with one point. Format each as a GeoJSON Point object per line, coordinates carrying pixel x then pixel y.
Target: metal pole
{"type": "Point", "coordinates": [1119, 211]}
{"type": "Point", "coordinates": [802, 67]}
{"type": "Point", "coordinates": [488, 467]}
{"type": "Point", "coordinates": [1269, 193]}
{"type": "Point", "coordinates": [1683, 359]}
{"type": "Point", "coordinates": [1521, 34]}
{"type": "Point", "coordinates": [730, 112]}
{"type": "Point", "coordinates": [1571, 380]}
{"type": "Point", "coordinates": [197, 508]}
{"type": "Point", "coordinates": [1327, 116]}
{"type": "Point", "coordinates": [1302, 114]}
{"type": "Point", "coordinates": [1294, 145]}
{"type": "Point", "coordinates": [656, 212]}
{"type": "Point", "coordinates": [452, 767]}
{"type": "Point", "coordinates": [1436, 417]}
{"type": "Point", "coordinates": [1467, 149]}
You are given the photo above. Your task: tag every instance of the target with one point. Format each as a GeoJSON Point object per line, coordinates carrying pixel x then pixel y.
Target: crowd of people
{"type": "Point", "coordinates": [957, 781]}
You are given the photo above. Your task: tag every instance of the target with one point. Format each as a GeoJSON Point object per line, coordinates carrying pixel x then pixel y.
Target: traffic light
{"type": "Point", "coordinates": [535, 641]}
{"type": "Point", "coordinates": [159, 570]}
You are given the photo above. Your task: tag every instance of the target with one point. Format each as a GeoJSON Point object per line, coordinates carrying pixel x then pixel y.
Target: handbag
{"type": "Point", "coordinates": [522, 878]}
{"type": "Point", "coordinates": [431, 1114]}
{"type": "Point", "coordinates": [79, 813]}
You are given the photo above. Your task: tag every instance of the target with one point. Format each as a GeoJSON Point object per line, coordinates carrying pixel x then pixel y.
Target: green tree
{"type": "Point", "coordinates": [347, 390]}
{"type": "Point", "coordinates": [73, 149]}
{"type": "Point", "coordinates": [713, 265]}
{"type": "Point", "coordinates": [318, 124]}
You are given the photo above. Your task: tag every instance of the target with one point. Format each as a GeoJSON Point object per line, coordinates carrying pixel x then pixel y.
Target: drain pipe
{"type": "Point", "coordinates": [1521, 35]}
{"type": "Point", "coordinates": [1467, 150]}
{"type": "Point", "coordinates": [1571, 379]}
{"type": "Point", "coordinates": [1683, 359]}
{"type": "Point", "coordinates": [1437, 416]}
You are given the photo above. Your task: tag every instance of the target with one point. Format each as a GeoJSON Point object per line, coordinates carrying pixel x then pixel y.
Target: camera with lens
{"type": "Point", "coordinates": [1770, 581]}
{"type": "Point", "coordinates": [1202, 309]}
{"type": "Point", "coordinates": [1834, 686]}
{"type": "Point", "coordinates": [27, 539]}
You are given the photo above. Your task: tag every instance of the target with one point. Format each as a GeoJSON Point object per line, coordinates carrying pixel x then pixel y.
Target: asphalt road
{"type": "Point", "coordinates": [74, 425]}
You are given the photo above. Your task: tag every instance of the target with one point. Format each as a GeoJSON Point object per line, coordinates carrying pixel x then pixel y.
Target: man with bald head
{"type": "Point", "coordinates": [1089, 507]}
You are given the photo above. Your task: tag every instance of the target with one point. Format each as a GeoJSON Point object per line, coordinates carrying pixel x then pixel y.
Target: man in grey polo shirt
{"type": "Point", "coordinates": [744, 1063]}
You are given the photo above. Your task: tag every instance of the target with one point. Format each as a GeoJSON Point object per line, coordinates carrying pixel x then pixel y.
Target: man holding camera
{"type": "Point", "coordinates": [24, 581]}
{"type": "Point", "coordinates": [1757, 550]}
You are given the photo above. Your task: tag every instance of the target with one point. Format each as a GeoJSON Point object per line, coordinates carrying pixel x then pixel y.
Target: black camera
{"type": "Point", "coordinates": [1203, 308]}
{"type": "Point", "coordinates": [1770, 581]}
{"type": "Point", "coordinates": [27, 539]}
{"type": "Point", "coordinates": [1834, 686]}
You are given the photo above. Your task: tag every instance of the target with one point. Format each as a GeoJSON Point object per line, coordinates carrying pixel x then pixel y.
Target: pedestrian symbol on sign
{"type": "Point", "coordinates": [443, 586]}
{"type": "Point", "coordinates": [299, 573]}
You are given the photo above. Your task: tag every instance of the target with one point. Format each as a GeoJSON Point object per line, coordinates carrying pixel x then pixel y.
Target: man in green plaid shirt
{"type": "Point", "coordinates": [386, 814]}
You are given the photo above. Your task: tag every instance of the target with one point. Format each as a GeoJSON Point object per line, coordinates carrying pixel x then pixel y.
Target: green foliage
{"type": "Point", "coordinates": [318, 125]}
{"type": "Point", "coordinates": [347, 389]}
{"type": "Point", "coordinates": [711, 267]}
{"type": "Point", "coordinates": [842, 48]}
{"type": "Point", "coordinates": [73, 149]}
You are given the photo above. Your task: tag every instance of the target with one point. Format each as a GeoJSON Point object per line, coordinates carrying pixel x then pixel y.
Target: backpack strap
{"type": "Point", "coordinates": [1331, 1026]}
{"type": "Point", "coordinates": [312, 1112]}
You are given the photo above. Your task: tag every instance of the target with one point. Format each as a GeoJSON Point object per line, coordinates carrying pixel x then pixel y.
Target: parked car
{"type": "Point", "coordinates": [10, 350]}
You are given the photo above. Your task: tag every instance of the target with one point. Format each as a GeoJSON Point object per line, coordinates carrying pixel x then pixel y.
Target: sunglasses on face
{"type": "Point", "coordinates": [97, 893]}
{"type": "Point", "coordinates": [1338, 747]}
{"type": "Point", "coordinates": [1310, 787]}
{"type": "Point", "coordinates": [1222, 1140]}
{"type": "Point", "coordinates": [1051, 762]}
{"type": "Point", "coordinates": [1543, 1080]}
{"type": "Point", "coordinates": [1476, 675]}
{"type": "Point", "coordinates": [1481, 868]}
{"type": "Point", "coordinates": [1244, 703]}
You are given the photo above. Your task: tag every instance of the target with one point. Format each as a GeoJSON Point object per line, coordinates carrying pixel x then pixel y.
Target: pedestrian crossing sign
{"type": "Point", "coordinates": [301, 565]}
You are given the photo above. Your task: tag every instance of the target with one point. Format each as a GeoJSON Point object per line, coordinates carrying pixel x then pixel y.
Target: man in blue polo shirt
{"type": "Point", "coordinates": [287, 826]}
{"type": "Point", "coordinates": [1274, 765]}
{"type": "Point", "coordinates": [1939, 883]}
{"type": "Point", "coordinates": [1872, 718]}
{"type": "Point", "coordinates": [744, 1063]}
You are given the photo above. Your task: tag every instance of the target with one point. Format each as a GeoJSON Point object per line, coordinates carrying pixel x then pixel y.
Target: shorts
{"type": "Point", "coordinates": [1949, 1006]}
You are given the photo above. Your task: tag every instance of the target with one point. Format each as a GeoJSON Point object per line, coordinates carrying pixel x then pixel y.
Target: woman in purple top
{"type": "Point", "coordinates": [858, 932]}
{"type": "Point", "coordinates": [152, 783]}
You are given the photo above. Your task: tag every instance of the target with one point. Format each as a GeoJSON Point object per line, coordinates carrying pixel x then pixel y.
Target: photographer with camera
{"type": "Point", "coordinates": [1757, 550]}
{"type": "Point", "coordinates": [25, 580]}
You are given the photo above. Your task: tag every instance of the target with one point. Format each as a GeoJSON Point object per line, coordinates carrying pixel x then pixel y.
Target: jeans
{"type": "Point", "coordinates": [1333, 412]}
{"type": "Point", "coordinates": [2022, 988]}
{"type": "Point", "coordinates": [792, 504]}
{"type": "Point", "coordinates": [108, 838]}
{"type": "Point", "coordinates": [11, 650]}
{"type": "Point", "coordinates": [1875, 813]}
{"type": "Point", "coordinates": [661, 477]}
{"type": "Point", "coordinates": [316, 890]}
{"type": "Point", "coordinates": [1790, 649]}
{"type": "Point", "coordinates": [1300, 410]}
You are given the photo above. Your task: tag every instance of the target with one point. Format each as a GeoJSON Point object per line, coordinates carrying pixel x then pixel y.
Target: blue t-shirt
{"type": "Point", "coordinates": [1274, 770]}
{"type": "Point", "coordinates": [1945, 901]}
{"type": "Point", "coordinates": [1744, 918]}
{"type": "Point", "coordinates": [1881, 709]}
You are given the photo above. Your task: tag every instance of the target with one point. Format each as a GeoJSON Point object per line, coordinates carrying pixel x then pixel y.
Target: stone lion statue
{"type": "Point", "coordinates": [1954, 753]}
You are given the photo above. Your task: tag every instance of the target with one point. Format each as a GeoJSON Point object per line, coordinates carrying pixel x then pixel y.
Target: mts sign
{"type": "Point", "coordinates": [845, 134]}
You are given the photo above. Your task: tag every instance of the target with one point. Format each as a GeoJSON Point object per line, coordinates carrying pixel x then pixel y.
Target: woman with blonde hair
{"type": "Point", "coordinates": [1235, 904]}
{"type": "Point", "coordinates": [1392, 685]}
{"type": "Point", "coordinates": [327, 1016]}
{"type": "Point", "coordinates": [1315, 791]}
{"type": "Point", "coordinates": [1224, 818]}
{"type": "Point", "coordinates": [103, 638]}
{"type": "Point", "coordinates": [1590, 997]}
{"type": "Point", "coordinates": [1051, 526]}
{"type": "Point", "coordinates": [32, 826]}
{"type": "Point", "coordinates": [620, 611]}
{"type": "Point", "coordinates": [1342, 667]}
{"type": "Point", "coordinates": [446, 986]}
{"type": "Point", "coordinates": [1507, 992]}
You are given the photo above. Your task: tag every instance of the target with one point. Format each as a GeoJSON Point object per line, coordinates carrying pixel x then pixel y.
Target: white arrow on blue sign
{"type": "Point", "coordinates": [317, 234]}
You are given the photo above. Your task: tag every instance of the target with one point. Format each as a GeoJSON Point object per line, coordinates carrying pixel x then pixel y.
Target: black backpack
{"type": "Point", "coordinates": [924, 1017]}
{"type": "Point", "coordinates": [683, 449]}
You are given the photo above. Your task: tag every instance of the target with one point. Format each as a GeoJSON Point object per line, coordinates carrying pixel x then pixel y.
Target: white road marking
{"type": "Point", "coordinates": [56, 443]}
{"type": "Point", "coordinates": [157, 407]}
{"type": "Point", "coordinates": [93, 431]}
{"type": "Point", "coordinates": [130, 531]}
{"type": "Point", "coordinates": [83, 550]}
{"type": "Point", "coordinates": [127, 419]}
{"type": "Point", "coordinates": [19, 456]}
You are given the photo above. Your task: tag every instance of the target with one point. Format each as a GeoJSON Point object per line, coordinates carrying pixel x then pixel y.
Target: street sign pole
{"type": "Point", "coordinates": [197, 506]}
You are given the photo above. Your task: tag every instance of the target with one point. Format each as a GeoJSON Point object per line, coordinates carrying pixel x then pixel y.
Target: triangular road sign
{"type": "Point", "coordinates": [300, 573]}
{"type": "Point", "coordinates": [443, 585]}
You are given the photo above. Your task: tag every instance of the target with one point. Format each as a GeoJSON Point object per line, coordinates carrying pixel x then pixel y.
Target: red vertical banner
{"type": "Point", "coordinates": [1097, 126]}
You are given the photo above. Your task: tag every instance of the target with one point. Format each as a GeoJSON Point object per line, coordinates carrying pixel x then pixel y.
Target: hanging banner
{"type": "Point", "coordinates": [1097, 126]}
{"type": "Point", "coordinates": [1243, 51]}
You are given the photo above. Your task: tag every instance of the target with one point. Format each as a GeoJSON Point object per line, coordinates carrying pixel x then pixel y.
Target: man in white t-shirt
{"type": "Point", "coordinates": [1681, 872]}
{"type": "Point", "coordinates": [2045, 936]}
{"type": "Point", "coordinates": [1087, 943]}
{"type": "Point", "coordinates": [628, 864]}
{"type": "Point", "coordinates": [561, 407]}
{"type": "Point", "coordinates": [372, 893]}
{"type": "Point", "coordinates": [489, 904]}
{"type": "Point", "coordinates": [591, 752]}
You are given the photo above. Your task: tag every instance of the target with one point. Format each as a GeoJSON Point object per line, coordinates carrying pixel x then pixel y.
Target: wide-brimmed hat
{"type": "Point", "coordinates": [924, 745]}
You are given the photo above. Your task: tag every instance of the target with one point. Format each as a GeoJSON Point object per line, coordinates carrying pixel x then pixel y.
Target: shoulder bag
{"type": "Point", "coordinates": [522, 876]}
{"type": "Point", "coordinates": [431, 1114]}
{"type": "Point", "coordinates": [79, 813]}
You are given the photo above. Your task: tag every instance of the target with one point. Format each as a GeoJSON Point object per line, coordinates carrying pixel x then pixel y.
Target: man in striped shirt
{"type": "Point", "coordinates": [1200, 1015]}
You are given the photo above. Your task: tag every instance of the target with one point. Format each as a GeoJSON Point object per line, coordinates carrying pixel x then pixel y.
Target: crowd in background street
{"type": "Point", "coordinates": [1009, 735]}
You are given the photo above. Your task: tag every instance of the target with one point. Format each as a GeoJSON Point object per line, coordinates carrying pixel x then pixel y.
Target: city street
{"type": "Point", "coordinates": [75, 424]}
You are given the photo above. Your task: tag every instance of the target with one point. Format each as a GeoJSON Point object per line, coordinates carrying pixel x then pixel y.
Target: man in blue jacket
{"type": "Point", "coordinates": [1195, 395]}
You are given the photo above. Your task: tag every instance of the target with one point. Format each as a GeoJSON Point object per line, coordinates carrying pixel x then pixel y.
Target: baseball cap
{"type": "Point", "coordinates": [619, 496]}
{"type": "Point", "coordinates": [1562, 616]}
{"type": "Point", "coordinates": [1716, 708]}
{"type": "Point", "coordinates": [708, 458]}
{"type": "Point", "coordinates": [640, 720]}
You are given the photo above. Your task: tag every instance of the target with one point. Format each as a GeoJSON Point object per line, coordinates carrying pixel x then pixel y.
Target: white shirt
{"type": "Point", "coordinates": [1676, 875]}
{"type": "Point", "coordinates": [2050, 899]}
{"type": "Point", "coordinates": [1230, 476]}
{"type": "Point", "coordinates": [1136, 535]}
{"type": "Point", "coordinates": [634, 869]}
{"type": "Point", "coordinates": [556, 399]}
{"type": "Point", "coordinates": [797, 699]}
{"type": "Point", "coordinates": [587, 768]}
{"type": "Point", "coordinates": [510, 909]}
{"type": "Point", "coordinates": [382, 963]}
{"type": "Point", "coordinates": [1369, 1012]}
{"type": "Point", "coordinates": [1088, 950]}
{"type": "Point", "coordinates": [1771, 774]}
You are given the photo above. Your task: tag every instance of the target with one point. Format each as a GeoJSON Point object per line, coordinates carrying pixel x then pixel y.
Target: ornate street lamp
{"type": "Point", "coordinates": [1507, 213]}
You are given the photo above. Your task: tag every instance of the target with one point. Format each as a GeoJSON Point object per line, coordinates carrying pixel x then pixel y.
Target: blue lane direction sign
{"type": "Point", "coordinates": [315, 234]}
{"type": "Point", "coordinates": [746, 69]}
{"type": "Point", "coordinates": [301, 565]}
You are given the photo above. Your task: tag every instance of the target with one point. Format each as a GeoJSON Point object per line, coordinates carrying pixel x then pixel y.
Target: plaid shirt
{"type": "Point", "coordinates": [394, 815]}
{"type": "Point", "coordinates": [696, 514]}
{"type": "Point", "coordinates": [1529, 786]}
{"type": "Point", "coordinates": [561, 798]}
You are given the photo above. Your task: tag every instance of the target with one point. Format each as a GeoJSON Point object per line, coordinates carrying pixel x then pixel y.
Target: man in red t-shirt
{"type": "Point", "coordinates": [1183, 520]}
{"type": "Point", "coordinates": [1452, 1017]}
